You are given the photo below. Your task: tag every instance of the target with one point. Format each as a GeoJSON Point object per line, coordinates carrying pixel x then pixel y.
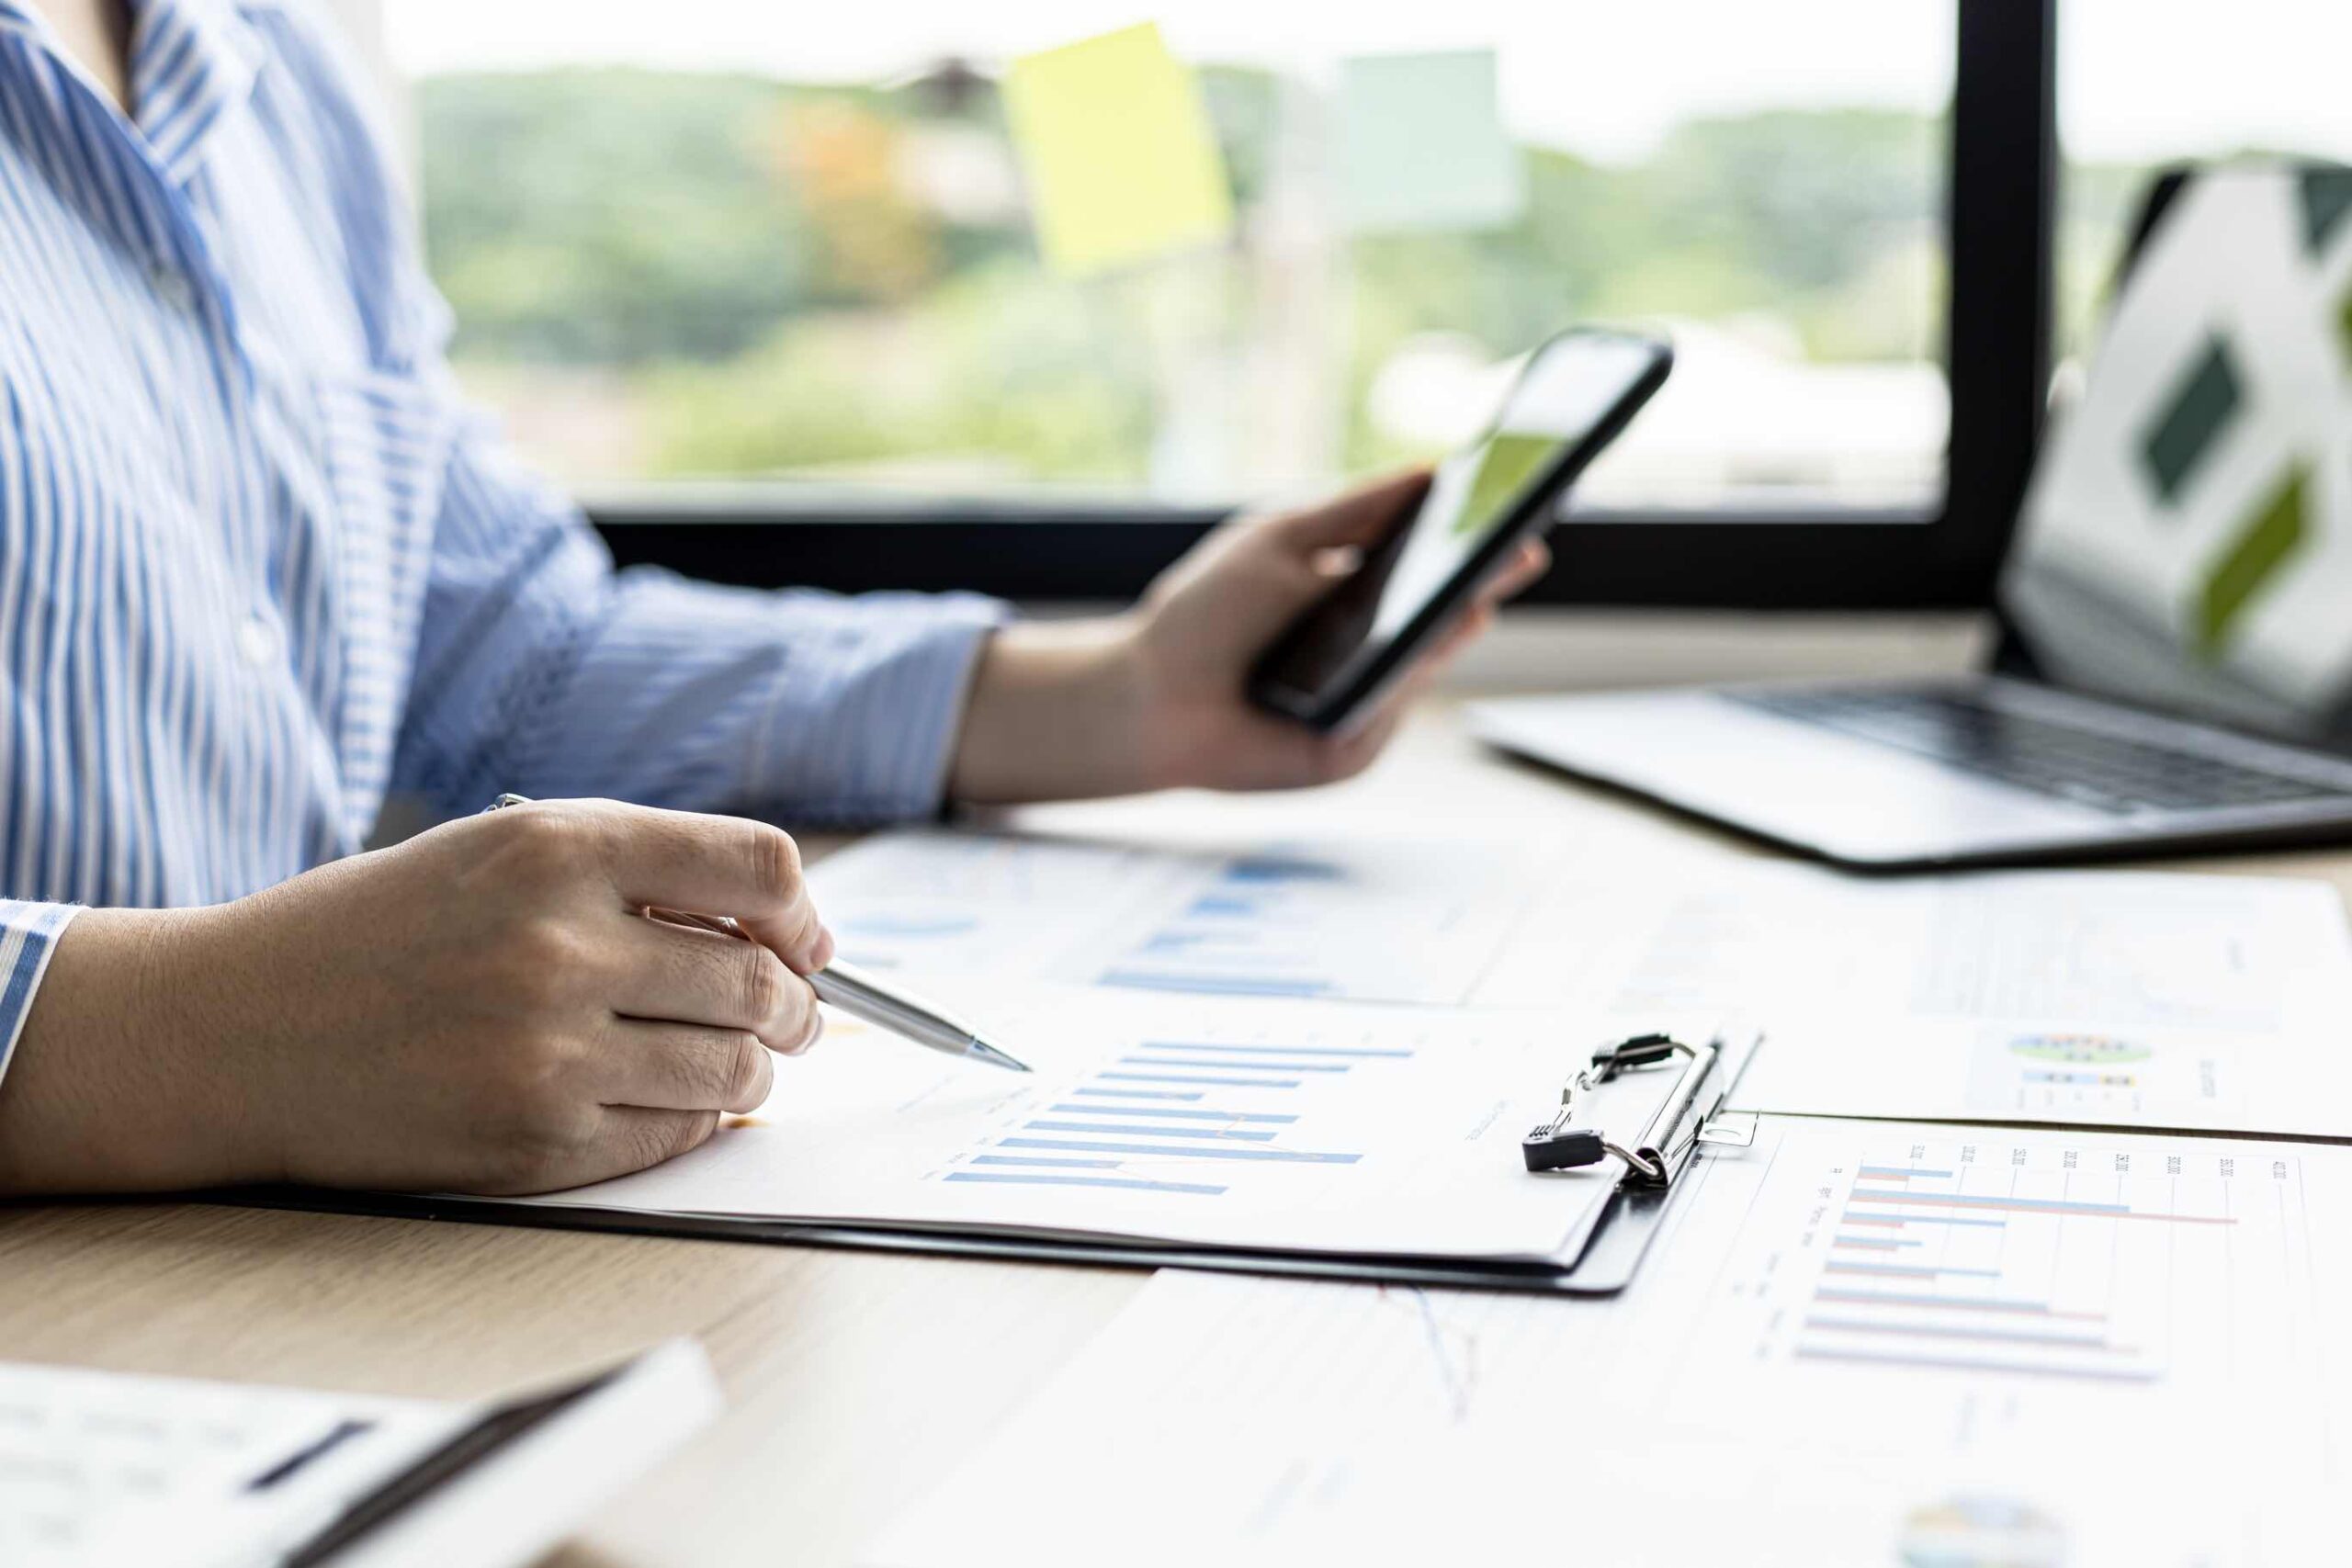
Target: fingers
{"type": "Point", "coordinates": [622, 1139]}
{"type": "Point", "coordinates": [716, 865]}
{"type": "Point", "coordinates": [1358, 518]}
{"type": "Point", "coordinates": [721, 982]}
{"type": "Point", "coordinates": [678, 1066]}
{"type": "Point", "coordinates": [1525, 568]}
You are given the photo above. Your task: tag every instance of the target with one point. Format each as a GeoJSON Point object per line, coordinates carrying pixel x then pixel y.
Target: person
{"type": "Point", "coordinates": [259, 568]}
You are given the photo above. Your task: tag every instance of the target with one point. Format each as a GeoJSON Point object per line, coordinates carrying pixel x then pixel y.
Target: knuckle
{"type": "Point", "coordinates": [536, 1151]}
{"type": "Point", "coordinates": [546, 957]}
{"type": "Point", "coordinates": [763, 983]}
{"type": "Point", "coordinates": [540, 839]}
{"type": "Point", "coordinates": [666, 1137]}
{"type": "Point", "coordinates": [746, 1065]}
{"type": "Point", "coordinates": [532, 1081]}
{"type": "Point", "coordinates": [775, 859]}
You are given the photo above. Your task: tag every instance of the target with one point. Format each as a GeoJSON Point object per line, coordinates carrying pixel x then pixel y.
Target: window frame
{"type": "Point", "coordinates": [1998, 222]}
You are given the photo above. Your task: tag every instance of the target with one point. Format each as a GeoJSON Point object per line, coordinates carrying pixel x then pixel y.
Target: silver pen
{"type": "Point", "coordinates": [857, 993]}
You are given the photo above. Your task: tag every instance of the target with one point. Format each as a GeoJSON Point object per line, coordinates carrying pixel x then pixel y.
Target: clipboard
{"type": "Point", "coordinates": [1689, 1117]}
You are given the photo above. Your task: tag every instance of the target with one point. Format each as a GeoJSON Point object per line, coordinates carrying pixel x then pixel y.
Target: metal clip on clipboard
{"type": "Point", "coordinates": [1691, 1114]}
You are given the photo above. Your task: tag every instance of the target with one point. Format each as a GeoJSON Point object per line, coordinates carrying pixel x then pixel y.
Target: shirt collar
{"type": "Point", "coordinates": [192, 61]}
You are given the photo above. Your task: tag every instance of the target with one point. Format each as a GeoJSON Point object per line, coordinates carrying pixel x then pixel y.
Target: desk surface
{"type": "Point", "coordinates": [853, 1379]}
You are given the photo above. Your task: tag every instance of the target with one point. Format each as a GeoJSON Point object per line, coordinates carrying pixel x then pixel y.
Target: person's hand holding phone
{"type": "Point", "coordinates": [1157, 698]}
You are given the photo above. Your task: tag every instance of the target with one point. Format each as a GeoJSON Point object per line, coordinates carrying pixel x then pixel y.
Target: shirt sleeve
{"type": "Point", "coordinates": [28, 934]}
{"type": "Point", "coordinates": [541, 670]}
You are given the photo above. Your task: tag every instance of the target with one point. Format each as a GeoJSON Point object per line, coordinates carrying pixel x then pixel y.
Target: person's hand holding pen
{"type": "Point", "coordinates": [481, 1008]}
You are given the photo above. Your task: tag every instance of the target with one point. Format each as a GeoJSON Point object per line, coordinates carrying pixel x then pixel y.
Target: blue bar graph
{"type": "Point", "coordinates": [1943, 1331]}
{"type": "Point", "coordinates": [1186, 1113]}
{"type": "Point", "coordinates": [1135, 1132]}
{"type": "Point", "coordinates": [1216, 905]}
{"type": "Point", "coordinates": [1852, 1218]}
{"type": "Point", "coordinates": [1196, 1077]}
{"type": "Point", "coordinates": [1958, 1304]}
{"type": "Point", "coordinates": [1259, 1066]}
{"type": "Point", "coordinates": [1163, 1151]}
{"type": "Point", "coordinates": [1974, 1364]}
{"type": "Point", "coordinates": [1215, 985]}
{"type": "Point", "coordinates": [1126, 1183]}
{"type": "Point", "coordinates": [1907, 1270]}
{"type": "Point", "coordinates": [1176, 942]}
{"type": "Point", "coordinates": [1278, 868]}
{"type": "Point", "coordinates": [1976, 1201]}
{"type": "Point", "coordinates": [1046, 1160]}
{"type": "Point", "coordinates": [1142, 1093]}
{"type": "Point", "coordinates": [1268, 1050]}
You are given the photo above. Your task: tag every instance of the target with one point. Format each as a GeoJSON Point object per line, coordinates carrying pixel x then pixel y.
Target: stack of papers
{"type": "Point", "coordinates": [2120, 999]}
{"type": "Point", "coordinates": [1857, 1342]}
{"type": "Point", "coordinates": [1185, 1120]}
{"type": "Point", "coordinates": [1310, 1046]}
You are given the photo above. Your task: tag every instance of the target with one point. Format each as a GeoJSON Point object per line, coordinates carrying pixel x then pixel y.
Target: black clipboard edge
{"type": "Point", "coordinates": [1621, 1235]}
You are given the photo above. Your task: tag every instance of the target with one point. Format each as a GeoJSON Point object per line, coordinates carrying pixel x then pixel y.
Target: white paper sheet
{"type": "Point", "coordinates": [2112, 997]}
{"type": "Point", "coordinates": [1389, 917]}
{"type": "Point", "coordinates": [102, 1467]}
{"type": "Point", "coordinates": [1853, 1343]}
{"type": "Point", "coordinates": [2120, 999]}
{"type": "Point", "coordinates": [1214, 1120]}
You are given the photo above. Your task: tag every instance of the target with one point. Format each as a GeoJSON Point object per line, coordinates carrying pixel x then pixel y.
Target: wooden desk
{"type": "Point", "coordinates": [853, 1379]}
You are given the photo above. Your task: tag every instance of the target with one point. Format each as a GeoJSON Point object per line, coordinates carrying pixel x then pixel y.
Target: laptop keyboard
{"type": "Point", "coordinates": [2085, 767]}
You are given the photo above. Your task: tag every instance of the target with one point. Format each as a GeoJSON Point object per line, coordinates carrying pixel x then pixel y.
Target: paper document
{"type": "Point", "coordinates": [2120, 999]}
{"type": "Point", "coordinates": [1193, 1120]}
{"type": "Point", "coordinates": [1854, 1343]}
{"type": "Point", "coordinates": [101, 1467]}
{"type": "Point", "coordinates": [1392, 917]}
{"type": "Point", "coordinates": [105, 1468]}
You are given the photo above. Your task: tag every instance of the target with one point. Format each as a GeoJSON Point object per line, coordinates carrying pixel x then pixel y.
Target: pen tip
{"type": "Point", "coordinates": [994, 1058]}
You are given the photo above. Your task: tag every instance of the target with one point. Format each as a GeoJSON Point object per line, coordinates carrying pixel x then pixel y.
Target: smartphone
{"type": "Point", "coordinates": [1576, 393]}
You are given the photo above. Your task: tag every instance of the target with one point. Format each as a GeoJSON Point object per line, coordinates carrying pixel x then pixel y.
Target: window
{"type": "Point", "coordinates": [715, 239]}
{"type": "Point", "coordinates": [2141, 87]}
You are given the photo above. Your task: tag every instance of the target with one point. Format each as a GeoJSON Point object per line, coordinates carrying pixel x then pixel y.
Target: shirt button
{"type": "Point", "coordinates": [171, 287]}
{"type": "Point", "coordinates": [256, 639]}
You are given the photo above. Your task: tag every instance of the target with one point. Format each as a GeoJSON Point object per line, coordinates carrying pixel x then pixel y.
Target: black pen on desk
{"type": "Point", "coordinates": [858, 994]}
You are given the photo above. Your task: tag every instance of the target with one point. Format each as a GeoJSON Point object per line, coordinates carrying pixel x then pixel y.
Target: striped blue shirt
{"type": "Point", "coordinates": [260, 567]}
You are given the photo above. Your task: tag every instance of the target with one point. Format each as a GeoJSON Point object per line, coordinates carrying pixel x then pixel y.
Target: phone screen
{"type": "Point", "coordinates": [1572, 395]}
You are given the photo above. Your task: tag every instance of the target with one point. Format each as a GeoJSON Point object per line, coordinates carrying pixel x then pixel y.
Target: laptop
{"type": "Point", "coordinates": [2092, 735]}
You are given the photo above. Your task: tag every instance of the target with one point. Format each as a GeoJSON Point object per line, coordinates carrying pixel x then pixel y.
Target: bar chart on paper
{"type": "Point", "coordinates": [1295, 923]}
{"type": "Point", "coordinates": [1179, 1117]}
{"type": "Point", "coordinates": [1216, 1121]}
{"type": "Point", "coordinates": [1388, 918]}
{"type": "Point", "coordinates": [2015, 1281]}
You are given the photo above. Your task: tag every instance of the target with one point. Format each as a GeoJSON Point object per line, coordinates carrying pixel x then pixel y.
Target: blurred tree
{"type": "Point", "coordinates": [607, 216]}
{"type": "Point", "coordinates": [771, 277]}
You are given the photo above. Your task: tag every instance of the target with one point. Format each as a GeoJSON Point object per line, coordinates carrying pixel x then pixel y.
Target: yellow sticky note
{"type": "Point", "coordinates": [1122, 162]}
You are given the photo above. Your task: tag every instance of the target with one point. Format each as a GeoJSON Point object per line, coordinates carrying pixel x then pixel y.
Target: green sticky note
{"type": "Point", "coordinates": [1505, 466]}
{"type": "Point", "coordinates": [2254, 560]}
{"type": "Point", "coordinates": [1122, 162]}
{"type": "Point", "coordinates": [1422, 144]}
